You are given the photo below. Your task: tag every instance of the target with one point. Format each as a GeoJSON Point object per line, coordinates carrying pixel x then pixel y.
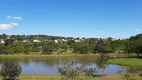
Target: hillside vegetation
{"type": "Point", "coordinates": [44, 44]}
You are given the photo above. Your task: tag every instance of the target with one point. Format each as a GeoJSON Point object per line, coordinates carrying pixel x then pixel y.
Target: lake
{"type": "Point", "coordinates": [50, 65]}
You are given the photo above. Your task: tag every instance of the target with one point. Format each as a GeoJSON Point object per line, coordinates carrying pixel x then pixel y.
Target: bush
{"type": "Point", "coordinates": [48, 49]}
{"type": "Point", "coordinates": [70, 70]}
{"type": "Point", "coordinates": [91, 72]}
{"type": "Point", "coordinates": [10, 70]}
{"type": "Point", "coordinates": [127, 73]}
{"type": "Point", "coordinates": [140, 74]}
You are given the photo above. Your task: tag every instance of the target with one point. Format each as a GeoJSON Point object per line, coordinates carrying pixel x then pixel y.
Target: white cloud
{"type": "Point", "coordinates": [137, 29]}
{"type": "Point", "coordinates": [9, 17]}
{"type": "Point", "coordinates": [8, 26]}
{"type": "Point", "coordinates": [14, 24]}
{"type": "Point", "coordinates": [18, 18]}
{"type": "Point", "coordinates": [101, 31]}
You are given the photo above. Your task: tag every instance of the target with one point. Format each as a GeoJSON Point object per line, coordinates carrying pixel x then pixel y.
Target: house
{"type": "Point", "coordinates": [25, 41]}
{"type": "Point", "coordinates": [64, 40]}
{"type": "Point", "coordinates": [8, 37]}
{"type": "Point", "coordinates": [2, 41]}
{"type": "Point", "coordinates": [77, 40]}
{"type": "Point", "coordinates": [15, 42]}
{"type": "Point", "coordinates": [36, 41]}
{"type": "Point", "coordinates": [82, 39]}
{"type": "Point", "coordinates": [56, 41]}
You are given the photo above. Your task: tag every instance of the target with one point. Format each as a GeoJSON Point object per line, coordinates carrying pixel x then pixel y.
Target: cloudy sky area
{"type": "Point", "coordinates": [10, 25]}
{"type": "Point", "coordinates": [76, 18]}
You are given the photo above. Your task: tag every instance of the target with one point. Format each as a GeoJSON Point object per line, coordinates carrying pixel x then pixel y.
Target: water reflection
{"type": "Point", "coordinates": [50, 65]}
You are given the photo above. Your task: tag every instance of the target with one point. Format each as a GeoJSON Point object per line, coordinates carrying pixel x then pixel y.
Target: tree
{"type": "Point", "coordinates": [36, 49]}
{"type": "Point", "coordinates": [71, 43]}
{"type": "Point", "coordinates": [103, 47]}
{"type": "Point", "coordinates": [10, 70]}
{"type": "Point", "coordinates": [2, 49]}
{"type": "Point", "coordinates": [18, 48]}
{"type": "Point", "coordinates": [135, 47]}
{"type": "Point", "coordinates": [91, 72]}
{"type": "Point", "coordinates": [139, 36]}
{"type": "Point", "coordinates": [8, 42]}
{"type": "Point", "coordinates": [63, 48]}
{"type": "Point", "coordinates": [79, 48]}
{"type": "Point", "coordinates": [127, 73]}
{"type": "Point", "coordinates": [3, 36]}
{"type": "Point", "coordinates": [70, 70]}
{"type": "Point", "coordinates": [118, 46]}
{"type": "Point", "coordinates": [48, 49]}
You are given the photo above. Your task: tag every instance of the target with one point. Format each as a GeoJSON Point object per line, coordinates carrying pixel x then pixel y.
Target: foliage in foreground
{"type": "Point", "coordinates": [10, 70]}
{"type": "Point", "coordinates": [128, 73]}
{"type": "Point", "coordinates": [70, 70]}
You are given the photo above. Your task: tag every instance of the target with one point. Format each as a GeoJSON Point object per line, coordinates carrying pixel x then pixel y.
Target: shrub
{"type": "Point", "coordinates": [91, 72]}
{"type": "Point", "coordinates": [128, 73]}
{"type": "Point", "coordinates": [140, 74]}
{"type": "Point", "coordinates": [70, 70]}
{"type": "Point", "coordinates": [10, 70]}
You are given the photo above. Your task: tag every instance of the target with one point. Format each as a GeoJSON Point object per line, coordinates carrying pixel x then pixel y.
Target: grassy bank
{"type": "Point", "coordinates": [32, 55]}
{"type": "Point", "coordinates": [59, 55]}
{"type": "Point", "coordinates": [126, 61]}
{"type": "Point", "coordinates": [46, 56]}
{"type": "Point", "coordinates": [58, 77]}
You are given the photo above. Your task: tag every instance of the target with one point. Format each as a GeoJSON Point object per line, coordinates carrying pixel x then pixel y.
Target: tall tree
{"type": "Point", "coordinates": [103, 47]}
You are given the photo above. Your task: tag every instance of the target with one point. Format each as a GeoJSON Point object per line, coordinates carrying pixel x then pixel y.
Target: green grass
{"type": "Point", "coordinates": [58, 55]}
{"type": "Point", "coordinates": [62, 55]}
{"type": "Point", "coordinates": [127, 61]}
{"type": "Point", "coordinates": [41, 56]}
{"type": "Point", "coordinates": [58, 77]}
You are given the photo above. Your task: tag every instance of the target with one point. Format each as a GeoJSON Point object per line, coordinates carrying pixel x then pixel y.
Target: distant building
{"type": "Point", "coordinates": [64, 40]}
{"type": "Point", "coordinates": [36, 40]}
{"type": "Point", "coordinates": [77, 41]}
{"type": "Point", "coordinates": [113, 39]}
{"type": "Point", "coordinates": [8, 37]}
{"type": "Point", "coordinates": [15, 42]}
{"type": "Point", "coordinates": [25, 41]}
{"type": "Point", "coordinates": [2, 41]}
{"type": "Point", "coordinates": [56, 41]}
{"type": "Point", "coordinates": [82, 39]}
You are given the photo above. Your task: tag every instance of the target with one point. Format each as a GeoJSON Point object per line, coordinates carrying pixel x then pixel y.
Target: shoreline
{"type": "Point", "coordinates": [72, 54]}
{"type": "Point", "coordinates": [132, 62]}
{"type": "Point", "coordinates": [58, 77]}
{"type": "Point", "coordinates": [52, 55]}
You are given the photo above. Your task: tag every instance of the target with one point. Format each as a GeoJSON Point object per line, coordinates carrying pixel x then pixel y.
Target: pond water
{"type": "Point", "coordinates": [50, 65]}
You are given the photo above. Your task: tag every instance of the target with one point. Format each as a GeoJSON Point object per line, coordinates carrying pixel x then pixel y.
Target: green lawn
{"type": "Point", "coordinates": [58, 77]}
{"type": "Point", "coordinates": [32, 55]}
{"type": "Point", "coordinates": [45, 55]}
{"type": "Point", "coordinates": [126, 61]}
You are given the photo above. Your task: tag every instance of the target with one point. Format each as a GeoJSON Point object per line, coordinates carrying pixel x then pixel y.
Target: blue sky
{"type": "Point", "coordinates": [76, 18]}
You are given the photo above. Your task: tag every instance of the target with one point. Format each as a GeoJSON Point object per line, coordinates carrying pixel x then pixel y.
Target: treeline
{"type": "Point", "coordinates": [44, 44]}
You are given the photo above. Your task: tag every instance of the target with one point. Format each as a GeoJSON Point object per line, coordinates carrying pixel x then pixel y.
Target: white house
{"type": "Point", "coordinates": [64, 40]}
{"type": "Point", "coordinates": [36, 40]}
{"type": "Point", "coordinates": [8, 37]}
{"type": "Point", "coordinates": [25, 41]}
{"type": "Point", "coordinates": [2, 41]}
{"type": "Point", "coordinates": [77, 41]}
{"type": "Point", "coordinates": [56, 41]}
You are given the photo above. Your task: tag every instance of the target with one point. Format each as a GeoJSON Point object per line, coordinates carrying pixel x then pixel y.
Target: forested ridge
{"type": "Point", "coordinates": [44, 44]}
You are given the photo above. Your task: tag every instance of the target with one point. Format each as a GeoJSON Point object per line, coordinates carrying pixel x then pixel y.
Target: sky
{"type": "Point", "coordinates": [72, 18]}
